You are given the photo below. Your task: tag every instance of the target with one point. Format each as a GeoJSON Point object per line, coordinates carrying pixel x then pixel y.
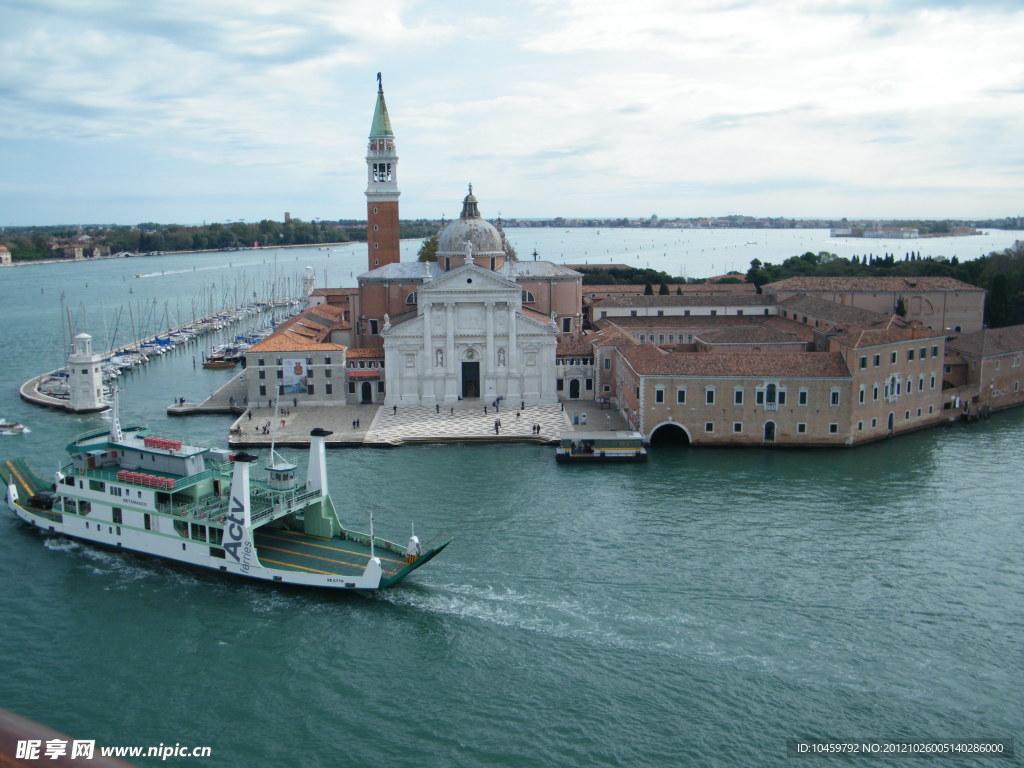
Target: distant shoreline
{"type": "Point", "coordinates": [175, 253]}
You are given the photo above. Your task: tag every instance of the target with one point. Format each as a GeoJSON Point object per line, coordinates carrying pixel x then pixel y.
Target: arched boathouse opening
{"type": "Point", "coordinates": [669, 435]}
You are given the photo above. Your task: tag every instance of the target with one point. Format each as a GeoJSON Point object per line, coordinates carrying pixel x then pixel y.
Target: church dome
{"type": "Point", "coordinates": [483, 236]}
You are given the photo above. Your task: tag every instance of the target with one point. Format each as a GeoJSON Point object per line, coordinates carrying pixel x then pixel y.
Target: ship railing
{"type": "Point", "coordinates": [275, 504]}
{"type": "Point", "coordinates": [109, 474]}
{"type": "Point", "coordinates": [264, 506]}
{"type": "Point", "coordinates": [391, 546]}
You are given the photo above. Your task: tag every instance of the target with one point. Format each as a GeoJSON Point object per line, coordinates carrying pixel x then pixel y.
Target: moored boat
{"type": "Point", "coordinates": [596, 447]}
{"type": "Point", "coordinates": [125, 488]}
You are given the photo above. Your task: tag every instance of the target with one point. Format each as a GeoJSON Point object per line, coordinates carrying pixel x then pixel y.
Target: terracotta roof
{"type": "Point", "coordinates": [306, 332]}
{"type": "Point", "coordinates": [691, 288]}
{"type": "Point", "coordinates": [289, 342]}
{"type": "Point", "coordinates": [757, 334]}
{"type": "Point", "coordinates": [573, 345]}
{"type": "Point", "coordinates": [870, 284]}
{"type": "Point", "coordinates": [990, 342]}
{"type": "Point", "coordinates": [888, 330]}
{"type": "Point", "coordinates": [335, 291]}
{"type": "Point", "coordinates": [672, 300]}
{"type": "Point", "coordinates": [534, 314]}
{"type": "Point", "coordinates": [682, 321]}
{"type": "Point", "coordinates": [365, 353]}
{"type": "Point", "coordinates": [829, 310]}
{"type": "Point", "coordinates": [650, 360]}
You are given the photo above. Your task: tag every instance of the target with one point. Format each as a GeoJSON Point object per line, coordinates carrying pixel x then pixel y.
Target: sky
{"type": "Point", "coordinates": [192, 111]}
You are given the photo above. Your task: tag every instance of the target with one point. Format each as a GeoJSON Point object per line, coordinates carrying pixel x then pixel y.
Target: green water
{"type": "Point", "coordinates": [695, 610]}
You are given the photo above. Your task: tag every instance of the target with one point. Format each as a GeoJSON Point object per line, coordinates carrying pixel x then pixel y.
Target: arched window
{"type": "Point", "coordinates": [528, 297]}
{"type": "Point", "coordinates": [411, 298]}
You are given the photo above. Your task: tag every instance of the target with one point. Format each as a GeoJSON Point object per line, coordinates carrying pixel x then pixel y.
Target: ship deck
{"type": "Point", "coordinates": [27, 481]}
{"type": "Point", "coordinates": [296, 551]}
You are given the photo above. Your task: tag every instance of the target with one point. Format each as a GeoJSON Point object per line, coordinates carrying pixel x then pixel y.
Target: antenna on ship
{"type": "Point", "coordinates": [372, 554]}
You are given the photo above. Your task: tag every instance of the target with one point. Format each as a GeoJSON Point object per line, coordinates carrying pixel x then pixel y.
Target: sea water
{"type": "Point", "coordinates": [698, 609]}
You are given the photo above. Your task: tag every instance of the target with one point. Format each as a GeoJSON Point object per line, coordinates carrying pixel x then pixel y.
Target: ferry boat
{"type": "Point", "coordinates": [12, 428]}
{"type": "Point", "coordinates": [596, 447]}
{"type": "Point", "coordinates": [125, 488]}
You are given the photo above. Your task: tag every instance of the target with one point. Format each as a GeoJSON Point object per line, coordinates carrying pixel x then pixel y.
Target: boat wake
{"type": "Point", "coordinates": [567, 618]}
{"type": "Point", "coordinates": [128, 570]}
{"type": "Point", "coordinates": [206, 268]}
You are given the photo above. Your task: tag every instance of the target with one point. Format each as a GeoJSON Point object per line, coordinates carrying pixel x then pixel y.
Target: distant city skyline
{"type": "Point", "coordinates": [216, 111]}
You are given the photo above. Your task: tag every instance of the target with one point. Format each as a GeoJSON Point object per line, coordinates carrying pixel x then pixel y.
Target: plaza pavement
{"type": "Point", "coordinates": [380, 425]}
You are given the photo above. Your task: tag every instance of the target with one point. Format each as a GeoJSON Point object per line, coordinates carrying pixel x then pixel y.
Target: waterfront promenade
{"type": "Point", "coordinates": [384, 426]}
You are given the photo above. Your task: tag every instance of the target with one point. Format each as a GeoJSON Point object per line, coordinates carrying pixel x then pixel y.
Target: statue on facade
{"type": "Point", "coordinates": [501, 356]}
{"type": "Point", "coordinates": [387, 322]}
{"type": "Point", "coordinates": [439, 358]}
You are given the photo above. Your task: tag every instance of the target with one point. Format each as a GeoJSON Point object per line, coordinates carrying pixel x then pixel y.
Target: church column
{"type": "Point", "coordinates": [512, 354]}
{"type": "Point", "coordinates": [490, 352]}
{"type": "Point", "coordinates": [428, 356]}
{"type": "Point", "coordinates": [512, 357]}
{"type": "Point", "coordinates": [452, 377]}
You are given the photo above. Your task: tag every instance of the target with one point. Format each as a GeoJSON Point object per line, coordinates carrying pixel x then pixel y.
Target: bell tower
{"type": "Point", "coordinates": [382, 235]}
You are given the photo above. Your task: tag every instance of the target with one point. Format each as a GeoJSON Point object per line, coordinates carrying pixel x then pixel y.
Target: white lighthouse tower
{"type": "Point", "coordinates": [86, 376]}
{"type": "Point", "coordinates": [308, 286]}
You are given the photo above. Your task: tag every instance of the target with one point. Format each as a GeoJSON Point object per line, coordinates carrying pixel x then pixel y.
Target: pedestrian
{"type": "Point", "coordinates": [438, 407]}
{"type": "Point", "coordinates": [394, 410]}
{"type": "Point", "coordinates": [353, 423]}
{"type": "Point", "coordinates": [517, 415]}
{"type": "Point", "coordinates": [522, 405]}
{"type": "Point", "coordinates": [485, 410]}
{"type": "Point", "coordinates": [357, 423]}
{"type": "Point", "coordinates": [250, 415]}
{"type": "Point", "coordinates": [295, 402]}
{"type": "Point", "coordinates": [496, 425]}
{"type": "Point", "coordinates": [282, 423]}
{"type": "Point", "coordinates": [453, 410]}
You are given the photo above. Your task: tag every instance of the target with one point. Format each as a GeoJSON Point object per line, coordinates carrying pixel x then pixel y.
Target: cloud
{"type": "Point", "coordinates": [556, 106]}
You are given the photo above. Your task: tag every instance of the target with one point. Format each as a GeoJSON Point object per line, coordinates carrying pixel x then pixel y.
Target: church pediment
{"type": "Point", "coordinates": [468, 279]}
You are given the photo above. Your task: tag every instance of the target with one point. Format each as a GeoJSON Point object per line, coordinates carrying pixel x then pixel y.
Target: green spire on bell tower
{"type": "Point", "coordinates": [381, 127]}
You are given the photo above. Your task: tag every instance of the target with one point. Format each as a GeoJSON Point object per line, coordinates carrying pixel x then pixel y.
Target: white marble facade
{"type": "Point", "coordinates": [470, 339]}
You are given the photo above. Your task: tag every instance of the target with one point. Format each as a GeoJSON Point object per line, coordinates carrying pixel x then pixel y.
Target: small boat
{"type": "Point", "coordinates": [218, 362]}
{"type": "Point", "coordinates": [127, 489]}
{"type": "Point", "coordinates": [12, 428]}
{"type": "Point", "coordinates": [597, 447]}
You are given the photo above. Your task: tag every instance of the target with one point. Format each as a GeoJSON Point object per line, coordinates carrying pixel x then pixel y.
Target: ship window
{"type": "Point", "coordinates": [115, 515]}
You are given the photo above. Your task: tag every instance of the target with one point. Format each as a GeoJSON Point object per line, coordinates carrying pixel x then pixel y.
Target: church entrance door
{"type": "Point", "coordinates": [367, 393]}
{"type": "Point", "coordinates": [471, 379]}
{"type": "Point", "coordinates": [574, 389]}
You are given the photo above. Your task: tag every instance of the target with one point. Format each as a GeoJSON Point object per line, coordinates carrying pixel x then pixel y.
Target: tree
{"type": "Point", "coordinates": [901, 307]}
{"type": "Point", "coordinates": [648, 289]}
{"type": "Point", "coordinates": [663, 290]}
{"type": "Point", "coordinates": [428, 249]}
